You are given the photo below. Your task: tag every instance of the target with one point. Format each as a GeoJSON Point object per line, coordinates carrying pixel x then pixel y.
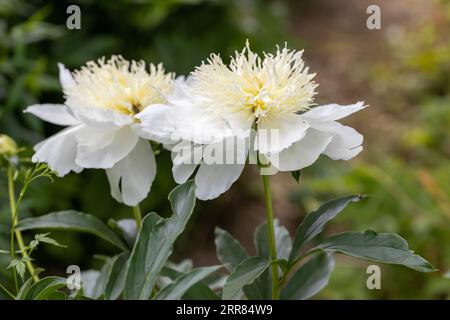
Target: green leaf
{"type": "Point", "coordinates": [19, 266]}
{"type": "Point", "coordinates": [314, 223]}
{"type": "Point", "coordinates": [126, 228]}
{"type": "Point", "coordinates": [43, 238]}
{"type": "Point", "coordinates": [229, 251]}
{"type": "Point", "coordinates": [282, 239]}
{"type": "Point", "coordinates": [200, 291]}
{"type": "Point", "coordinates": [23, 291]}
{"type": "Point", "coordinates": [45, 287]}
{"type": "Point", "coordinates": [116, 280]}
{"type": "Point", "coordinates": [102, 280]}
{"type": "Point", "coordinates": [296, 175]}
{"type": "Point", "coordinates": [182, 284]}
{"type": "Point", "coordinates": [244, 274]}
{"type": "Point", "coordinates": [74, 221]}
{"type": "Point", "coordinates": [380, 247]}
{"type": "Point", "coordinates": [155, 241]}
{"type": "Point", "coordinates": [310, 278]}
{"type": "Point", "coordinates": [261, 289]}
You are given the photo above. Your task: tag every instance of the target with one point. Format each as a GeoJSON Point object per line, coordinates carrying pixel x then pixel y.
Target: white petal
{"type": "Point", "coordinates": [53, 113]}
{"type": "Point", "coordinates": [213, 179]}
{"type": "Point", "coordinates": [114, 175]}
{"type": "Point", "coordinates": [100, 153]}
{"type": "Point", "coordinates": [59, 151]}
{"type": "Point", "coordinates": [277, 133]}
{"type": "Point", "coordinates": [240, 123]}
{"type": "Point", "coordinates": [156, 123]}
{"type": "Point", "coordinates": [185, 157]}
{"type": "Point", "coordinates": [331, 112]}
{"type": "Point", "coordinates": [98, 117]}
{"type": "Point", "coordinates": [346, 142]}
{"type": "Point", "coordinates": [131, 178]}
{"type": "Point", "coordinates": [65, 77]}
{"type": "Point", "coordinates": [302, 153]}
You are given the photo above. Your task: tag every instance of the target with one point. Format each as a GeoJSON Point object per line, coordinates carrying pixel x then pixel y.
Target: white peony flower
{"type": "Point", "coordinates": [102, 100]}
{"type": "Point", "coordinates": [272, 95]}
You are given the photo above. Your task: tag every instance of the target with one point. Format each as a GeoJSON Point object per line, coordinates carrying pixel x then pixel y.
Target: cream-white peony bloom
{"type": "Point", "coordinates": [102, 100]}
{"type": "Point", "coordinates": [271, 96]}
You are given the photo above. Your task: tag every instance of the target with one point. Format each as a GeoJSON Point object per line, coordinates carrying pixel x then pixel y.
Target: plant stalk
{"type": "Point", "coordinates": [14, 221]}
{"type": "Point", "coordinates": [271, 237]}
{"type": "Point", "coordinates": [137, 216]}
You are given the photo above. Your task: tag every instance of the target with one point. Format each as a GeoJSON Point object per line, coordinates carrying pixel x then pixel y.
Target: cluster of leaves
{"type": "Point", "coordinates": [306, 268]}
{"type": "Point", "coordinates": [143, 271]}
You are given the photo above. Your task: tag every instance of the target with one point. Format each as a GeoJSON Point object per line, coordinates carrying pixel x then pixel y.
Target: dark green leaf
{"type": "Point", "coordinates": [23, 291]}
{"type": "Point", "coordinates": [296, 175]}
{"type": "Point", "coordinates": [45, 287]}
{"type": "Point", "coordinates": [126, 228]}
{"type": "Point", "coordinates": [200, 291]}
{"type": "Point", "coordinates": [314, 222]}
{"type": "Point", "coordinates": [229, 251]}
{"type": "Point", "coordinates": [116, 280]}
{"type": "Point", "coordinates": [74, 221]}
{"type": "Point", "coordinates": [379, 247]}
{"type": "Point", "coordinates": [155, 241]}
{"type": "Point", "coordinates": [182, 284]}
{"type": "Point", "coordinates": [282, 239]}
{"type": "Point", "coordinates": [261, 289]}
{"type": "Point", "coordinates": [244, 274]}
{"type": "Point", "coordinates": [310, 278]}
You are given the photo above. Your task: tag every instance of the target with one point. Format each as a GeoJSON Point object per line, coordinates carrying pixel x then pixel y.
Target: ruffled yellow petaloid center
{"type": "Point", "coordinates": [120, 85]}
{"type": "Point", "coordinates": [264, 86]}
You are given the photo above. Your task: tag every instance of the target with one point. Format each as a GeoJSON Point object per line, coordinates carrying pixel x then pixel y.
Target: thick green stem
{"type": "Point", "coordinates": [271, 236]}
{"type": "Point", "coordinates": [137, 216]}
{"type": "Point", "coordinates": [14, 221]}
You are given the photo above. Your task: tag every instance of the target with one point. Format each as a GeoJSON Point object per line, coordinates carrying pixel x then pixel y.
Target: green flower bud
{"type": "Point", "coordinates": [8, 146]}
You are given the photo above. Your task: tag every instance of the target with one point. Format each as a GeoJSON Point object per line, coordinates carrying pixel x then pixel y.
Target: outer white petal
{"type": "Point", "coordinates": [156, 123]}
{"type": "Point", "coordinates": [98, 117]}
{"type": "Point", "coordinates": [346, 142]}
{"type": "Point", "coordinates": [59, 151]}
{"type": "Point", "coordinates": [331, 112]}
{"type": "Point", "coordinates": [302, 153]}
{"type": "Point", "coordinates": [53, 113]}
{"type": "Point", "coordinates": [131, 178]}
{"type": "Point", "coordinates": [65, 77]}
{"type": "Point", "coordinates": [277, 133]}
{"type": "Point", "coordinates": [185, 157]}
{"type": "Point", "coordinates": [97, 155]}
{"type": "Point", "coordinates": [213, 179]}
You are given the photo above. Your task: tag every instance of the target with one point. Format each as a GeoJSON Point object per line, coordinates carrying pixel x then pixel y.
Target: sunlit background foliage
{"type": "Point", "coordinates": [402, 71]}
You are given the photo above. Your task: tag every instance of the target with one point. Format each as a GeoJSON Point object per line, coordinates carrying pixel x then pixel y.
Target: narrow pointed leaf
{"type": "Point", "coordinates": [73, 221]}
{"type": "Point", "coordinates": [244, 274]}
{"type": "Point", "coordinates": [310, 278]}
{"type": "Point", "coordinates": [314, 222]}
{"type": "Point", "coordinates": [154, 243]}
{"type": "Point", "coordinates": [45, 287]}
{"type": "Point", "coordinates": [116, 280]}
{"type": "Point", "coordinates": [182, 284]}
{"type": "Point", "coordinates": [380, 247]}
{"type": "Point", "coordinates": [229, 251]}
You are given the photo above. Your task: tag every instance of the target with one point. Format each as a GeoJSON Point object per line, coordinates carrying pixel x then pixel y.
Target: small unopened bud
{"type": "Point", "coordinates": [8, 146]}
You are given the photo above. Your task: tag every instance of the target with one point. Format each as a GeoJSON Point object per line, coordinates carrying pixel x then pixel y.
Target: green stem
{"type": "Point", "coordinates": [271, 235]}
{"type": "Point", "coordinates": [7, 291]}
{"type": "Point", "coordinates": [137, 216]}
{"type": "Point", "coordinates": [14, 221]}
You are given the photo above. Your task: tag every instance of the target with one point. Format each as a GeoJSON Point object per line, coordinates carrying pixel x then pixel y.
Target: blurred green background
{"type": "Point", "coordinates": [402, 71]}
